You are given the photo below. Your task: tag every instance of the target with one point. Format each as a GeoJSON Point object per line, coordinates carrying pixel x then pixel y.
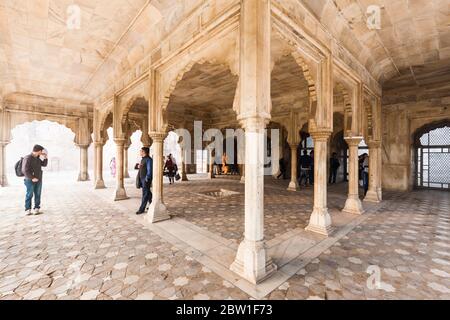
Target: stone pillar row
{"type": "Point", "coordinates": [293, 185]}
{"type": "Point", "coordinates": [3, 178]}
{"type": "Point", "coordinates": [353, 204]}
{"type": "Point", "coordinates": [84, 174]}
{"type": "Point", "coordinates": [252, 261]}
{"type": "Point", "coordinates": [374, 194]}
{"type": "Point", "coordinates": [99, 182]}
{"type": "Point", "coordinates": [121, 193]}
{"type": "Point", "coordinates": [158, 211]}
{"type": "Point", "coordinates": [320, 221]}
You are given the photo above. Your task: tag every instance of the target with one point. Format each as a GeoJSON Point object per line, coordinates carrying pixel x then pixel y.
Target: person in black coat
{"type": "Point", "coordinates": [334, 167]}
{"type": "Point", "coordinates": [145, 179]}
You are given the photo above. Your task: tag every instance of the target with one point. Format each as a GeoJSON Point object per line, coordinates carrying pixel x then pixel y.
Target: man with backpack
{"type": "Point", "coordinates": [32, 171]}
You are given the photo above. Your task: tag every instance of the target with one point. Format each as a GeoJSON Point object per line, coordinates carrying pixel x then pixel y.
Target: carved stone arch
{"type": "Point", "coordinates": [301, 62]}
{"type": "Point", "coordinates": [165, 98]}
{"type": "Point", "coordinates": [417, 134]}
{"type": "Point", "coordinates": [72, 125]}
{"type": "Point", "coordinates": [129, 105]}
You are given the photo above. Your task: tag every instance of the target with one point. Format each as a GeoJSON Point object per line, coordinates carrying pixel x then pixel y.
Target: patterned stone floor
{"type": "Point", "coordinates": [84, 247]}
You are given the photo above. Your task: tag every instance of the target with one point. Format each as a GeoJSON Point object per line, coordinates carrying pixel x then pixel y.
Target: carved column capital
{"type": "Point", "coordinates": [353, 140]}
{"type": "Point", "coordinates": [120, 141]}
{"type": "Point", "coordinates": [321, 135]}
{"type": "Point", "coordinates": [254, 123]}
{"type": "Point", "coordinates": [158, 136]}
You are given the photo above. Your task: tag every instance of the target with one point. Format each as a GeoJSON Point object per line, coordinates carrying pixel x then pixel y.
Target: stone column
{"type": "Point", "coordinates": [353, 204]}
{"type": "Point", "coordinates": [211, 159]}
{"type": "Point", "coordinates": [99, 182]}
{"type": "Point", "coordinates": [3, 178]}
{"type": "Point", "coordinates": [126, 173]}
{"type": "Point", "coordinates": [276, 153]}
{"type": "Point", "coordinates": [293, 185]}
{"type": "Point", "coordinates": [252, 261]}
{"type": "Point", "coordinates": [183, 165]}
{"type": "Point", "coordinates": [243, 173]}
{"type": "Point", "coordinates": [373, 194]}
{"type": "Point", "coordinates": [121, 194]}
{"type": "Point", "coordinates": [158, 210]}
{"type": "Point", "coordinates": [320, 221]}
{"type": "Point", "coordinates": [83, 175]}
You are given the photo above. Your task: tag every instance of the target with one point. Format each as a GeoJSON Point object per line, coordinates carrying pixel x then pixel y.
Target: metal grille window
{"type": "Point", "coordinates": [433, 159]}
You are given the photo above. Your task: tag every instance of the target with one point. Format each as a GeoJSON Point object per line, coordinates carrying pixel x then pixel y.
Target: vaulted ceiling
{"type": "Point", "coordinates": [40, 55]}
{"type": "Point", "coordinates": [414, 34]}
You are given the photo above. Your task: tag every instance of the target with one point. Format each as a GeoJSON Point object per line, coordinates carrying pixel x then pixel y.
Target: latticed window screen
{"type": "Point", "coordinates": [433, 159]}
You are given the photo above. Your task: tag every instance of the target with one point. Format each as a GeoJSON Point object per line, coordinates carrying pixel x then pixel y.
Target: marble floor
{"type": "Point", "coordinates": [85, 246]}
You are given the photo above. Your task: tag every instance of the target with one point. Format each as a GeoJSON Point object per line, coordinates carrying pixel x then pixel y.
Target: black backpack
{"type": "Point", "coordinates": [18, 168]}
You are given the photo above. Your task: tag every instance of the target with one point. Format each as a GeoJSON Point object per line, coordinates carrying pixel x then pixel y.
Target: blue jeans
{"type": "Point", "coordinates": [366, 182]}
{"type": "Point", "coordinates": [33, 189]}
{"type": "Point", "coordinates": [146, 195]}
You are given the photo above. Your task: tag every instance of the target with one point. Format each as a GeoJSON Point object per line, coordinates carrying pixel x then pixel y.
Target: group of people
{"type": "Point", "coordinates": [30, 167]}
{"type": "Point", "coordinates": [306, 169]}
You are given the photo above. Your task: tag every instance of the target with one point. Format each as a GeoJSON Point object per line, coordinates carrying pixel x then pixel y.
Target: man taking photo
{"type": "Point", "coordinates": [32, 169]}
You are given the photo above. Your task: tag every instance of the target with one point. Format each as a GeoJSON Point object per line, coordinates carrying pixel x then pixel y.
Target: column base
{"type": "Point", "coordinates": [157, 212]}
{"type": "Point", "coordinates": [243, 179]}
{"type": "Point", "coordinates": [320, 222]}
{"type": "Point", "coordinates": [372, 196]}
{"type": "Point", "coordinates": [121, 194]}
{"type": "Point", "coordinates": [353, 205]}
{"type": "Point", "coordinates": [82, 178]}
{"type": "Point", "coordinates": [293, 186]}
{"type": "Point", "coordinates": [252, 262]}
{"type": "Point", "coordinates": [380, 194]}
{"type": "Point", "coordinates": [184, 177]}
{"type": "Point", "coordinates": [211, 176]}
{"type": "Point", "coordinates": [99, 184]}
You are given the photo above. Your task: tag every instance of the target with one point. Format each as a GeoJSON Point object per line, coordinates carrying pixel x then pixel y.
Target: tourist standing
{"type": "Point", "coordinates": [334, 167]}
{"type": "Point", "coordinates": [145, 179]}
{"type": "Point", "coordinates": [32, 170]}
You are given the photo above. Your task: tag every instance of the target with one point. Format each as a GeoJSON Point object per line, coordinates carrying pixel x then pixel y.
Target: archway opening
{"type": "Point", "coordinates": [63, 165]}
{"type": "Point", "coordinates": [432, 155]}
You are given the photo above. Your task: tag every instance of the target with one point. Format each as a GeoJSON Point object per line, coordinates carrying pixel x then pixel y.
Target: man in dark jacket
{"type": "Point", "coordinates": [145, 177]}
{"type": "Point", "coordinates": [32, 169]}
{"type": "Point", "coordinates": [334, 167]}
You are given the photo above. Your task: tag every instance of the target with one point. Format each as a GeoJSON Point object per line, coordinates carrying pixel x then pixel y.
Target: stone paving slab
{"type": "Point", "coordinates": [85, 247]}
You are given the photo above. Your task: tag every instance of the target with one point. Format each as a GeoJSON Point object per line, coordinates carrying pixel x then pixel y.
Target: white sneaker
{"type": "Point", "coordinates": [28, 213]}
{"type": "Point", "coordinates": [37, 212]}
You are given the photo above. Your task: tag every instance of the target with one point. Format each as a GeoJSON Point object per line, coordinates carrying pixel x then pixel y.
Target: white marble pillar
{"type": "Point", "coordinates": [373, 194]}
{"type": "Point", "coordinates": [252, 261]}
{"type": "Point", "coordinates": [3, 177]}
{"type": "Point", "coordinates": [126, 172]}
{"type": "Point", "coordinates": [158, 210]}
{"type": "Point", "coordinates": [276, 153]}
{"type": "Point", "coordinates": [320, 221]}
{"type": "Point", "coordinates": [211, 159]}
{"type": "Point", "coordinates": [99, 182]}
{"type": "Point", "coordinates": [121, 193]}
{"type": "Point", "coordinates": [293, 185]}
{"type": "Point", "coordinates": [83, 174]}
{"type": "Point", "coordinates": [353, 204]}
{"type": "Point", "coordinates": [183, 165]}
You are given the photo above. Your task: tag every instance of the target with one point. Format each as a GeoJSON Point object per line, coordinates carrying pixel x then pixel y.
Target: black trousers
{"type": "Point", "coordinates": [147, 196]}
{"type": "Point", "coordinates": [333, 176]}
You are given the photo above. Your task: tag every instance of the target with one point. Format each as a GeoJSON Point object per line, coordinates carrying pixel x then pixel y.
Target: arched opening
{"type": "Point", "coordinates": [432, 156]}
{"type": "Point", "coordinates": [63, 165]}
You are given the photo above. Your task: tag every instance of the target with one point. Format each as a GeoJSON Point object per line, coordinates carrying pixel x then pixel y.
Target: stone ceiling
{"type": "Point", "coordinates": [39, 54]}
{"type": "Point", "coordinates": [413, 34]}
